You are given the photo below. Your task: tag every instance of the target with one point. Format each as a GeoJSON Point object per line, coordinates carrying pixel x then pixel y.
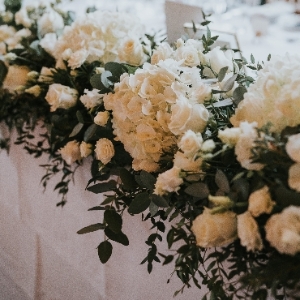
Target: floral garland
{"type": "Point", "coordinates": [181, 135]}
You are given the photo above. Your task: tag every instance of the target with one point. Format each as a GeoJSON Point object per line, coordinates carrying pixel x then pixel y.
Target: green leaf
{"type": "Point", "coordinates": [127, 179]}
{"type": "Point", "coordinates": [168, 259]}
{"type": "Point", "coordinates": [238, 94]}
{"type": "Point", "coordinates": [222, 73]}
{"type": "Point", "coordinates": [148, 181]}
{"type": "Point", "coordinates": [79, 116]}
{"type": "Point", "coordinates": [105, 79]}
{"type": "Point", "coordinates": [119, 237]}
{"type": "Point", "coordinates": [252, 58]}
{"type": "Point", "coordinates": [102, 187]}
{"type": "Point", "coordinates": [198, 190]}
{"type": "Point", "coordinates": [159, 201]}
{"type": "Point", "coordinates": [140, 203]}
{"type": "Point", "coordinates": [153, 208]}
{"type": "Point", "coordinates": [114, 220]}
{"type": "Point", "coordinates": [115, 68]}
{"type": "Point", "coordinates": [222, 181]}
{"type": "Point", "coordinates": [96, 83]}
{"type": "Point", "coordinates": [96, 208]}
{"type": "Point", "coordinates": [105, 251]}
{"type": "Point", "coordinates": [3, 71]}
{"type": "Point", "coordinates": [229, 83]}
{"type": "Point", "coordinates": [91, 228]}
{"type": "Point", "coordinates": [90, 132]}
{"type": "Point", "coordinates": [76, 129]}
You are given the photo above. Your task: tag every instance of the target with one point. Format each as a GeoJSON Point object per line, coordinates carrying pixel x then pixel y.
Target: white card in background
{"type": "Point", "coordinates": [176, 15]}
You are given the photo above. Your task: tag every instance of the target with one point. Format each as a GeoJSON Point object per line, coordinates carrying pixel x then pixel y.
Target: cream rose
{"type": "Point", "coordinates": [168, 181]}
{"type": "Point", "coordinates": [92, 98]}
{"type": "Point", "coordinates": [131, 51]}
{"type": "Point", "coordinates": [101, 118]}
{"type": "Point", "coordinates": [34, 90]}
{"type": "Point", "coordinates": [190, 143]}
{"type": "Point", "coordinates": [16, 77]}
{"type": "Point", "coordinates": [248, 232]}
{"type": "Point", "coordinates": [215, 230]}
{"type": "Point", "coordinates": [61, 96]}
{"type": "Point", "coordinates": [294, 177]}
{"type": "Point", "coordinates": [293, 147]}
{"type": "Point", "coordinates": [104, 150]}
{"type": "Point", "coordinates": [162, 52]}
{"type": "Point", "coordinates": [230, 136]}
{"type": "Point", "coordinates": [283, 230]}
{"type": "Point", "coordinates": [85, 149]}
{"type": "Point", "coordinates": [71, 152]}
{"type": "Point", "coordinates": [260, 202]}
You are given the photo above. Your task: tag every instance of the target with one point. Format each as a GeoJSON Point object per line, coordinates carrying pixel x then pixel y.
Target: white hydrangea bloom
{"type": "Point", "coordinates": [274, 95]}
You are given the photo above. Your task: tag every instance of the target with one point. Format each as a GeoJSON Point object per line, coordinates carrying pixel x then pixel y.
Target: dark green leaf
{"type": "Point", "coordinates": [96, 208]}
{"type": "Point", "coordinates": [79, 116]}
{"type": "Point", "coordinates": [96, 82]}
{"type": "Point", "coordinates": [102, 187]}
{"type": "Point", "coordinates": [115, 68]}
{"type": "Point", "coordinates": [105, 251]}
{"type": "Point", "coordinates": [89, 133]}
{"type": "Point", "coordinates": [153, 208]}
{"type": "Point", "coordinates": [119, 237]}
{"type": "Point", "coordinates": [91, 228]}
{"type": "Point", "coordinates": [140, 203]}
{"type": "Point", "coordinates": [76, 129]}
{"type": "Point", "coordinates": [168, 259]}
{"type": "Point", "coordinates": [222, 181]}
{"type": "Point", "coordinates": [198, 190]}
{"type": "Point", "coordinates": [147, 180]}
{"type": "Point", "coordinates": [3, 71]}
{"type": "Point", "coordinates": [159, 200]}
{"type": "Point", "coordinates": [113, 220]}
{"type": "Point", "coordinates": [222, 73]}
{"type": "Point", "coordinates": [127, 179]}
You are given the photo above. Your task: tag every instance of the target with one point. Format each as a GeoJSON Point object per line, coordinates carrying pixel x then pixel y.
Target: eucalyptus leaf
{"type": "Point", "coordinates": [118, 237]}
{"type": "Point", "coordinates": [229, 83]}
{"type": "Point", "coordinates": [105, 79]}
{"type": "Point", "coordinates": [104, 251]}
{"type": "Point", "coordinates": [96, 83]}
{"type": "Point", "coordinates": [198, 190]}
{"type": "Point", "coordinates": [153, 208]}
{"type": "Point", "coordinates": [76, 129]}
{"type": "Point", "coordinates": [222, 181]}
{"type": "Point", "coordinates": [238, 94]}
{"type": "Point", "coordinates": [91, 228]}
{"type": "Point", "coordinates": [90, 132]}
{"type": "Point", "coordinates": [103, 187]}
{"type": "Point", "coordinates": [115, 68]}
{"type": "Point", "coordinates": [140, 203]}
{"type": "Point", "coordinates": [114, 220]}
{"type": "Point", "coordinates": [222, 73]}
{"type": "Point", "coordinates": [127, 179]}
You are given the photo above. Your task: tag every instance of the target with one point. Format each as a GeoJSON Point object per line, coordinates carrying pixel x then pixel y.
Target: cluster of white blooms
{"type": "Point", "coordinates": [153, 108]}
{"type": "Point", "coordinates": [99, 36]}
{"type": "Point", "coordinates": [274, 95]}
{"type": "Point", "coordinates": [10, 38]}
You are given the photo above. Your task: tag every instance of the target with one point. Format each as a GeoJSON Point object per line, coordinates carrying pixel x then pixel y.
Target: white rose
{"type": "Point", "coordinates": [260, 202]}
{"type": "Point", "coordinates": [85, 149]}
{"type": "Point", "coordinates": [201, 92]}
{"type": "Point", "coordinates": [61, 96]}
{"type": "Point", "coordinates": [244, 145]}
{"type": "Point", "coordinates": [34, 90]}
{"type": "Point", "coordinates": [104, 150]}
{"type": "Point", "coordinates": [248, 232]}
{"type": "Point", "coordinates": [168, 181]}
{"type": "Point", "coordinates": [91, 98]}
{"type": "Point", "coordinates": [186, 116]}
{"type": "Point", "coordinates": [230, 136]}
{"type": "Point", "coordinates": [293, 147]}
{"type": "Point", "coordinates": [162, 52]}
{"type": "Point", "coordinates": [283, 230]}
{"type": "Point", "coordinates": [190, 143]}
{"type": "Point", "coordinates": [22, 18]}
{"type": "Point", "coordinates": [189, 55]}
{"type": "Point", "coordinates": [101, 118]}
{"type": "Point", "coordinates": [294, 177]}
{"type": "Point", "coordinates": [208, 146]}
{"type": "Point", "coordinates": [215, 230]}
{"type": "Point", "coordinates": [51, 21]}
{"type": "Point", "coordinates": [48, 42]}
{"type": "Point", "coordinates": [16, 77]}
{"type": "Point", "coordinates": [218, 59]}
{"type": "Point", "coordinates": [70, 152]}
{"type": "Point", "coordinates": [131, 51]}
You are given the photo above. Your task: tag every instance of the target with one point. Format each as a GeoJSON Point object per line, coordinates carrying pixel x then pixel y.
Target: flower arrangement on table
{"type": "Point", "coordinates": [181, 135]}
